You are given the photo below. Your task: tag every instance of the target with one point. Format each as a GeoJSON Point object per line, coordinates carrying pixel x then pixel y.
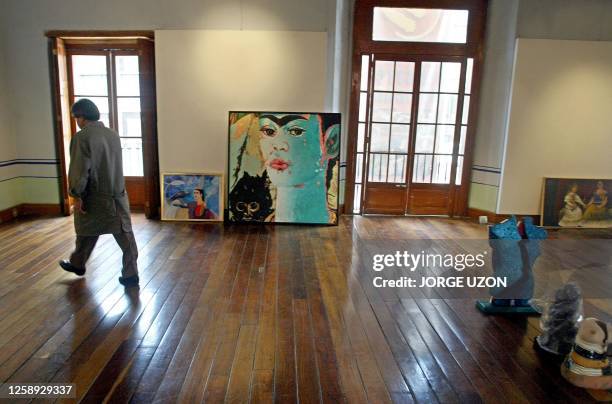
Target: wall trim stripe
{"type": "Point", "coordinates": [7, 163]}
{"type": "Point", "coordinates": [487, 169]}
{"type": "Point", "coordinates": [27, 176]}
{"type": "Point", "coordinates": [482, 183]}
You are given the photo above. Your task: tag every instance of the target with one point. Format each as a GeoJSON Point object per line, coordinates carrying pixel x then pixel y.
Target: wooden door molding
{"type": "Point", "coordinates": [83, 41]}
{"type": "Point", "coordinates": [364, 45]}
{"type": "Point", "coordinates": [61, 112]}
{"type": "Point", "coordinates": [148, 111]}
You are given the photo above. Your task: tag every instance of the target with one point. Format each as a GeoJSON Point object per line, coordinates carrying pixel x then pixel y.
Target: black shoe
{"type": "Point", "coordinates": [68, 267]}
{"type": "Point", "coordinates": [130, 282]}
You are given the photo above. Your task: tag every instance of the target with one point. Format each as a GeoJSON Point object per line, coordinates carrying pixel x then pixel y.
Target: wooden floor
{"type": "Point", "coordinates": [260, 314]}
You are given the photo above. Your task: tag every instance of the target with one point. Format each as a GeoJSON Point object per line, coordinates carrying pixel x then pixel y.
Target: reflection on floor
{"type": "Point", "coordinates": [257, 313]}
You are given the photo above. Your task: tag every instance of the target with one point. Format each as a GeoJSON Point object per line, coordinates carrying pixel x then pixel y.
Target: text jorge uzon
{"type": "Point", "coordinates": [456, 261]}
{"type": "Point", "coordinates": [442, 282]}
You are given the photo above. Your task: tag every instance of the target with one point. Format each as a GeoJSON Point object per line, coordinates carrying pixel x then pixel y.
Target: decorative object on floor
{"type": "Point", "coordinates": [575, 202]}
{"type": "Point", "coordinates": [513, 257]}
{"type": "Point", "coordinates": [506, 230]}
{"type": "Point", "coordinates": [560, 323]}
{"type": "Point", "coordinates": [588, 364]}
{"type": "Point", "coordinates": [283, 167]}
{"type": "Point", "coordinates": [192, 197]}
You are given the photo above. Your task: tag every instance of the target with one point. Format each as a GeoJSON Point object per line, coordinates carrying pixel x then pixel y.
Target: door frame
{"type": "Point", "coordinates": [363, 44]}
{"type": "Point", "coordinates": [143, 41]}
{"type": "Point", "coordinates": [408, 185]}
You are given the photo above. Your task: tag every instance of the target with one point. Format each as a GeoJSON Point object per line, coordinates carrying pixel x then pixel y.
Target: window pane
{"type": "Point", "coordinates": [459, 172]}
{"type": "Point", "coordinates": [444, 138]}
{"type": "Point", "coordinates": [430, 76]}
{"type": "Point", "coordinates": [102, 104]}
{"type": "Point", "coordinates": [404, 76]}
{"type": "Point", "coordinates": [132, 157]}
{"type": "Point", "coordinates": [381, 107]}
{"type": "Point", "coordinates": [383, 76]}
{"type": "Point", "coordinates": [360, 137]}
{"type": "Point", "coordinates": [379, 141]}
{"type": "Point", "coordinates": [89, 75]}
{"type": "Point", "coordinates": [365, 68]}
{"type": "Point", "coordinates": [127, 75]}
{"type": "Point", "coordinates": [466, 110]}
{"type": "Point", "coordinates": [402, 105]}
{"type": "Point", "coordinates": [359, 168]}
{"type": "Point", "coordinates": [462, 140]}
{"type": "Point", "coordinates": [399, 138]}
{"type": "Point", "coordinates": [422, 168]}
{"type": "Point", "coordinates": [128, 114]}
{"type": "Point", "coordinates": [357, 199]}
{"type": "Point", "coordinates": [428, 104]}
{"type": "Point", "coordinates": [397, 169]}
{"type": "Point", "coordinates": [419, 25]}
{"type": "Point", "coordinates": [363, 100]}
{"type": "Point", "coordinates": [424, 139]}
{"type": "Point", "coordinates": [378, 168]}
{"type": "Point", "coordinates": [441, 169]}
{"type": "Point", "coordinates": [450, 77]}
{"type": "Point", "coordinates": [447, 111]}
{"type": "Point", "coordinates": [468, 76]}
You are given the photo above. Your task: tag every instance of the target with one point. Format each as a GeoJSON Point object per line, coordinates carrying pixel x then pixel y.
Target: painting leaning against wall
{"type": "Point", "coordinates": [283, 167]}
{"type": "Point", "coordinates": [192, 197]}
{"type": "Point", "coordinates": [577, 202]}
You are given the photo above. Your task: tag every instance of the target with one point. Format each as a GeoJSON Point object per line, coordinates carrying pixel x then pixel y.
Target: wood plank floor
{"type": "Point", "coordinates": [259, 314]}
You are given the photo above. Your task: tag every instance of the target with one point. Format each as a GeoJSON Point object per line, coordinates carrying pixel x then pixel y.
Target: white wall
{"type": "Point", "coordinates": [493, 105]}
{"type": "Point", "coordinates": [496, 81]}
{"type": "Point", "coordinates": [10, 191]}
{"type": "Point", "coordinates": [506, 20]}
{"type": "Point", "coordinates": [588, 20]}
{"type": "Point", "coordinates": [8, 148]}
{"type": "Point", "coordinates": [561, 118]}
{"type": "Point", "coordinates": [22, 27]}
{"type": "Point", "coordinates": [202, 75]}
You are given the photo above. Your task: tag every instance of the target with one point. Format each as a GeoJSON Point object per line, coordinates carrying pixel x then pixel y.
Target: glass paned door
{"type": "Point", "coordinates": [128, 113]}
{"type": "Point", "coordinates": [111, 79]}
{"type": "Point", "coordinates": [413, 127]}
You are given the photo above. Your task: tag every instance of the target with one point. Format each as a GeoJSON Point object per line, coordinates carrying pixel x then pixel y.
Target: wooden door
{"type": "Point", "coordinates": [61, 111]}
{"type": "Point", "coordinates": [122, 85]}
{"type": "Point", "coordinates": [415, 131]}
{"type": "Point", "coordinates": [427, 33]}
{"type": "Point", "coordinates": [148, 116]}
{"type": "Point", "coordinates": [387, 131]}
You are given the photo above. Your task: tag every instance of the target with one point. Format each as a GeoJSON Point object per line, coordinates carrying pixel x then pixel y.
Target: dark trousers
{"type": "Point", "coordinates": [127, 243]}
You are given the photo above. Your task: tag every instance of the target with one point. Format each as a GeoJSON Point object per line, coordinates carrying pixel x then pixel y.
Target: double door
{"type": "Point", "coordinates": [413, 124]}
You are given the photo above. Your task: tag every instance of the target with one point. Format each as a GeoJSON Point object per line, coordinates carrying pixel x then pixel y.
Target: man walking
{"type": "Point", "coordinates": [101, 203]}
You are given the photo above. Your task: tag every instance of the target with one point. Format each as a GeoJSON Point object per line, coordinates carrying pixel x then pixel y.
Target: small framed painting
{"type": "Point", "coordinates": [576, 202]}
{"type": "Point", "coordinates": [192, 197]}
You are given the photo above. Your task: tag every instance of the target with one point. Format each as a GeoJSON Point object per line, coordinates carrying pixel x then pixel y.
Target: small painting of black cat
{"type": "Point", "coordinates": [250, 199]}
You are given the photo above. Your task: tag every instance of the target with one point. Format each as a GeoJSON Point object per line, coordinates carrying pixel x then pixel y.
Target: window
{"type": "Point", "coordinates": [420, 25]}
{"type": "Point", "coordinates": [110, 78]}
{"type": "Point", "coordinates": [437, 113]}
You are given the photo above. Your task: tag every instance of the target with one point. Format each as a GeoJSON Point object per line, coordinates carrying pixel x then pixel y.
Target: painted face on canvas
{"type": "Point", "coordinates": [291, 147]}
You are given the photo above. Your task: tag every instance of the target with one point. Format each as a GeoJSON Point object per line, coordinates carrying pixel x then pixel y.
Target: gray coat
{"type": "Point", "coordinates": [96, 176]}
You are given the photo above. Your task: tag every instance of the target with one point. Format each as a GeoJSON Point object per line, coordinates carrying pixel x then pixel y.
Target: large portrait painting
{"type": "Point", "coordinates": [572, 202]}
{"type": "Point", "coordinates": [283, 167]}
{"type": "Point", "coordinates": [192, 197]}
